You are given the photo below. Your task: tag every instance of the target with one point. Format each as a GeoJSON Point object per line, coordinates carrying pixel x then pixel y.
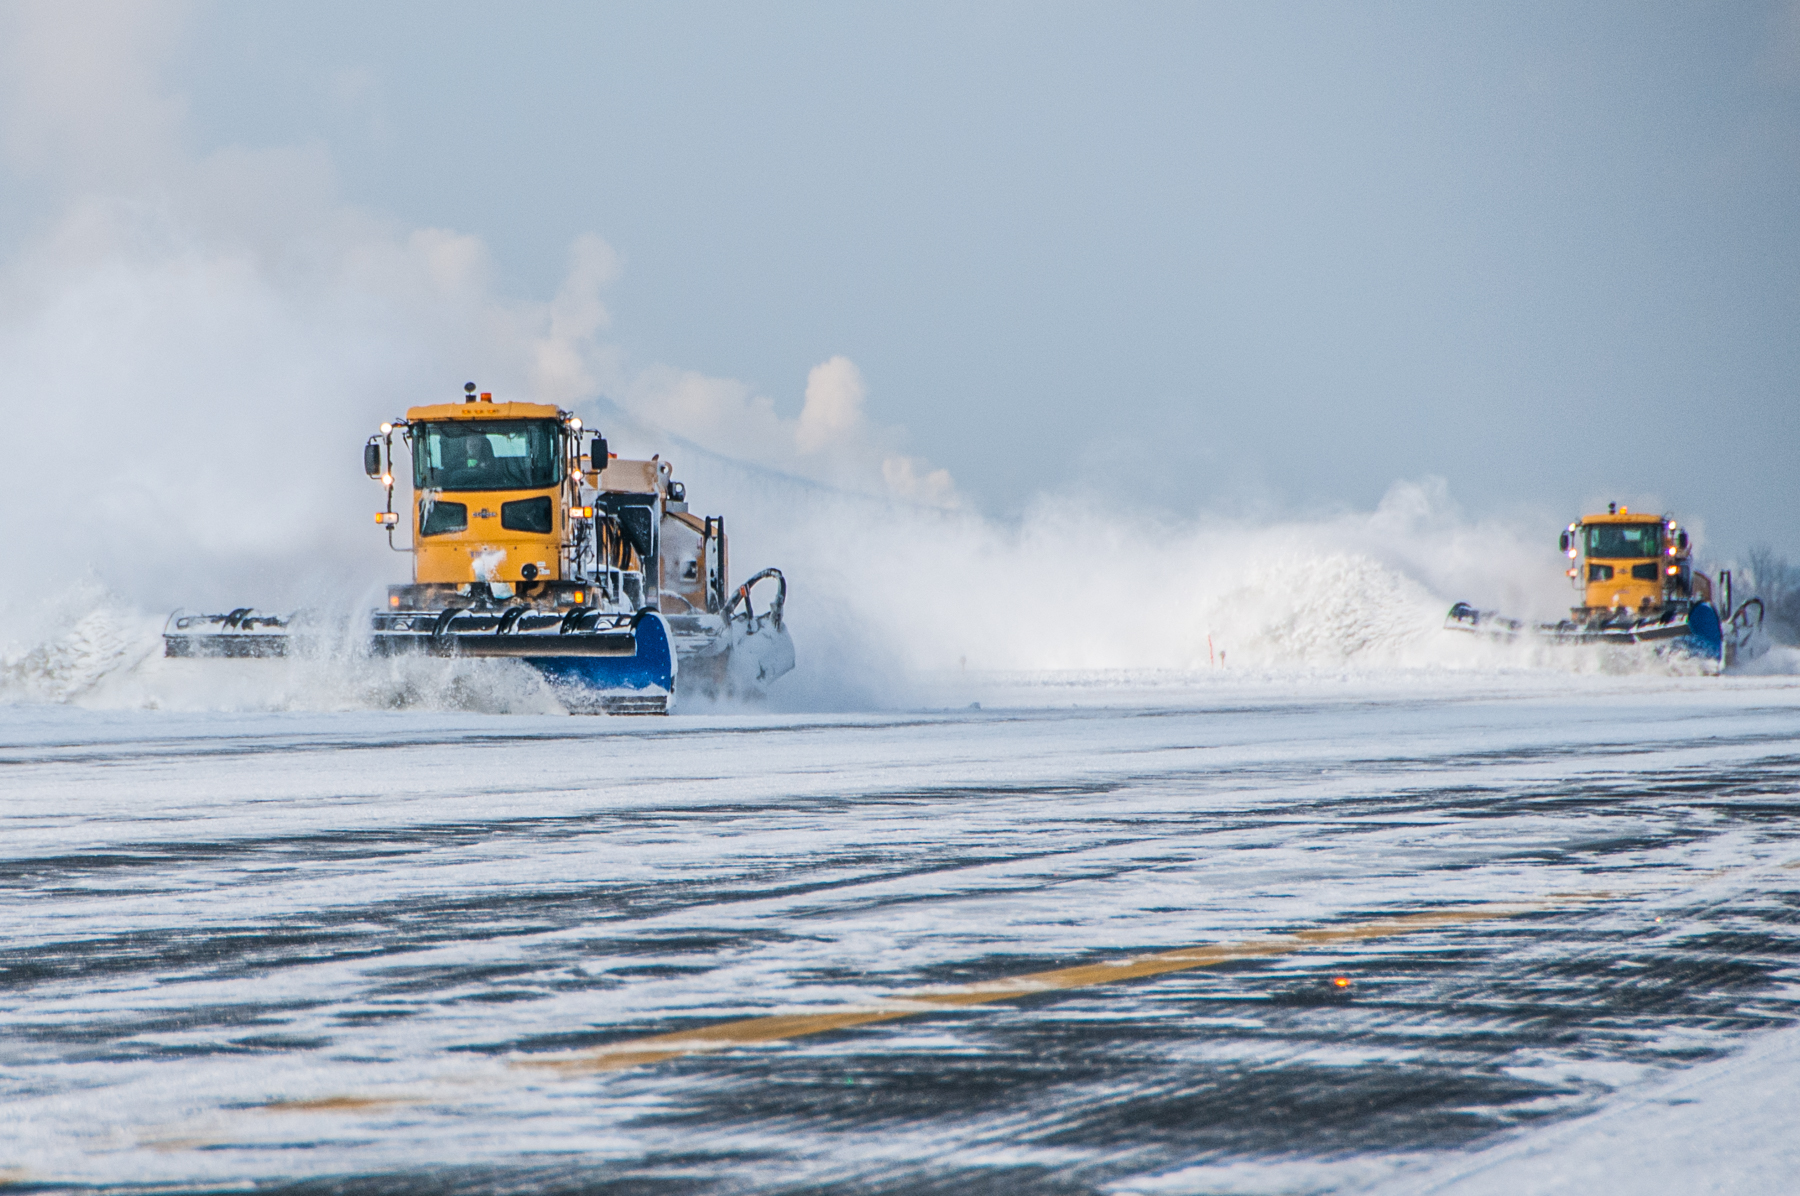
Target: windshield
{"type": "Point", "coordinates": [496, 454]}
{"type": "Point", "coordinates": [1624, 539]}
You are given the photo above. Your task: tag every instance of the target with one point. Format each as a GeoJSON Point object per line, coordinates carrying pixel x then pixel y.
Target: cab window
{"type": "Point", "coordinates": [515, 454]}
{"type": "Point", "coordinates": [1624, 540]}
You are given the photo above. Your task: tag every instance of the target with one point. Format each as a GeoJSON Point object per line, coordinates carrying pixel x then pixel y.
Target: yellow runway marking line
{"type": "Point", "coordinates": [341, 1104]}
{"type": "Point", "coordinates": [655, 1048]}
{"type": "Point", "coordinates": [638, 1052]}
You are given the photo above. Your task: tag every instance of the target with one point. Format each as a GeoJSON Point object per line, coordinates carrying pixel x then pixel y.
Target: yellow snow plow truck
{"type": "Point", "coordinates": [528, 544]}
{"type": "Point", "coordinates": [1638, 586]}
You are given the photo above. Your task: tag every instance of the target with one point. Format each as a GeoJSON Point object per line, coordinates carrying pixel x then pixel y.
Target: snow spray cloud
{"type": "Point", "coordinates": [887, 592]}
{"type": "Point", "coordinates": [196, 345]}
{"type": "Point", "coordinates": [831, 440]}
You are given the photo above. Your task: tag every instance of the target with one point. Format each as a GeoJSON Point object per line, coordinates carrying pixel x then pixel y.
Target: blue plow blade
{"type": "Point", "coordinates": [595, 662]}
{"type": "Point", "coordinates": [1705, 637]}
{"type": "Point", "coordinates": [640, 683]}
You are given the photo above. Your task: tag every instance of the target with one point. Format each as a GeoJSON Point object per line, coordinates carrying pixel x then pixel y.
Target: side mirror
{"type": "Point", "coordinates": [1564, 541]}
{"type": "Point", "coordinates": [598, 454]}
{"type": "Point", "coordinates": [372, 458]}
{"type": "Point", "coordinates": [1681, 540]}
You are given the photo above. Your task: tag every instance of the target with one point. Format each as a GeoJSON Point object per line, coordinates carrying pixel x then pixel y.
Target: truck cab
{"type": "Point", "coordinates": [492, 487]}
{"type": "Point", "coordinates": [1630, 564]}
{"type": "Point", "coordinates": [508, 510]}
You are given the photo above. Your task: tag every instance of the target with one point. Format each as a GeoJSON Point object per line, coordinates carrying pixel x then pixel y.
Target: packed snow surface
{"type": "Point", "coordinates": [309, 946]}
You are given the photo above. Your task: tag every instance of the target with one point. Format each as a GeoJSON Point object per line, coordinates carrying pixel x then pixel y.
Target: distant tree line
{"type": "Point", "coordinates": [1767, 575]}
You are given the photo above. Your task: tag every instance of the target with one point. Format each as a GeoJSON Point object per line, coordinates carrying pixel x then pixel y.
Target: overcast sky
{"type": "Point", "coordinates": [1226, 256]}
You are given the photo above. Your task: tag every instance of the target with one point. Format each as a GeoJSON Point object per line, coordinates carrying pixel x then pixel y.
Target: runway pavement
{"type": "Point", "coordinates": [1251, 938]}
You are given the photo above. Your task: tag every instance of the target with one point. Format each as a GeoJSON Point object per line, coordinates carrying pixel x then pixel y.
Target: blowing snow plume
{"type": "Point", "coordinates": [886, 591]}
{"type": "Point", "coordinates": [206, 338]}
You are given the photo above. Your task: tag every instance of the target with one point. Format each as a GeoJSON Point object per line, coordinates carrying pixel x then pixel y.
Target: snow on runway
{"type": "Point", "coordinates": [313, 950]}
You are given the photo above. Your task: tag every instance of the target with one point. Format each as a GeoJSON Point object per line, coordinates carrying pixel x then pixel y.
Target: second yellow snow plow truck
{"type": "Point", "coordinates": [527, 546]}
{"type": "Point", "coordinates": [1638, 586]}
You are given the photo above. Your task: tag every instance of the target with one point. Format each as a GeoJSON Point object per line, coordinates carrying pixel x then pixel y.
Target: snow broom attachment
{"type": "Point", "coordinates": [736, 653]}
{"type": "Point", "coordinates": [243, 632]}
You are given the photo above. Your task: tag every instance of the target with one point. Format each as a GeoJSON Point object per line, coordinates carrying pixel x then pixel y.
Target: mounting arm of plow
{"type": "Point", "coordinates": [743, 595]}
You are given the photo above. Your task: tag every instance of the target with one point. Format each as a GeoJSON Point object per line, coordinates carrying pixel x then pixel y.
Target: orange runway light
{"type": "Point", "coordinates": [1341, 981]}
